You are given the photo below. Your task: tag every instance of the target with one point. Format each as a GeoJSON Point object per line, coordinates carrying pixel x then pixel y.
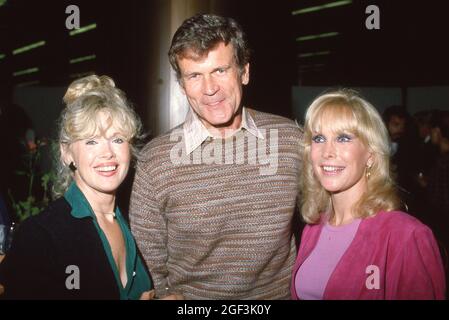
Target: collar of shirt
{"type": "Point", "coordinates": [195, 133]}
{"type": "Point", "coordinates": [80, 206]}
{"type": "Point", "coordinates": [138, 279]}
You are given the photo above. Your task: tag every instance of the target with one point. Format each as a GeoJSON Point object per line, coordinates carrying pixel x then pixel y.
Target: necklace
{"type": "Point", "coordinates": [106, 214]}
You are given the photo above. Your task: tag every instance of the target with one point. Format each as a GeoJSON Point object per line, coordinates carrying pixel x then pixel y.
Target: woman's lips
{"type": "Point", "coordinates": [332, 170]}
{"type": "Point", "coordinates": [107, 170]}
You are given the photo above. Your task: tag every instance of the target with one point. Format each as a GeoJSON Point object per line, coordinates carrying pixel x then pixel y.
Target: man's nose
{"type": "Point", "coordinates": [210, 86]}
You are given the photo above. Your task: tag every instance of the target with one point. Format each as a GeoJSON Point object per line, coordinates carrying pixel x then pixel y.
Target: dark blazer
{"type": "Point", "coordinates": [42, 249]}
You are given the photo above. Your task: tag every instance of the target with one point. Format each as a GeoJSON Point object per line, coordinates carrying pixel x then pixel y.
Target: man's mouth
{"type": "Point", "coordinates": [214, 103]}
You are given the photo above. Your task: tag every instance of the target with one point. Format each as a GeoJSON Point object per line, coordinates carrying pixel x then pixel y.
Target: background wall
{"type": "Point", "coordinates": [415, 98]}
{"type": "Point", "coordinates": [426, 98]}
{"type": "Point", "coordinates": [381, 98]}
{"type": "Point", "coordinates": [43, 106]}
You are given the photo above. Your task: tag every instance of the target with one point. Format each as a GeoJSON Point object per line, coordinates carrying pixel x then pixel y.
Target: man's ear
{"type": "Point", "coordinates": [245, 74]}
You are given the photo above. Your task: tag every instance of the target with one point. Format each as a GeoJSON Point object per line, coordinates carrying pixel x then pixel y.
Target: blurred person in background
{"type": "Point", "coordinates": [404, 138]}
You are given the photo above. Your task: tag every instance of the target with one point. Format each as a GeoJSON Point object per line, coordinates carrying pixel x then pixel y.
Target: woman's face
{"type": "Point", "coordinates": [102, 161]}
{"type": "Point", "coordinates": [339, 160]}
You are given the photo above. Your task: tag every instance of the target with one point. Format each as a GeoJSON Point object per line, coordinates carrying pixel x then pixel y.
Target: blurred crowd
{"type": "Point", "coordinates": [420, 158]}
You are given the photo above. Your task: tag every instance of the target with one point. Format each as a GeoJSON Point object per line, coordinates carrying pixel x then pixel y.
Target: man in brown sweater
{"type": "Point", "coordinates": [213, 199]}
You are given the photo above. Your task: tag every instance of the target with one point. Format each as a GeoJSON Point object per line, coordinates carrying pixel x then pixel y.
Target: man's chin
{"type": "Point", "coordinates": [220, 121]}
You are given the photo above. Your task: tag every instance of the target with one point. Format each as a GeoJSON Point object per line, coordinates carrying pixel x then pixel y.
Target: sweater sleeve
{"type": "Point", "coordinates": [28, 272]}
{"type": "Point", "coordinates": [417, 272]}
{"type": "Point", "coordinates": [149, 227]}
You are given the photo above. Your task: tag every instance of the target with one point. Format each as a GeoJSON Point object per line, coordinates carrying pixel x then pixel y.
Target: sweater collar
{"type": "Point", "coordinates": [196, 133]}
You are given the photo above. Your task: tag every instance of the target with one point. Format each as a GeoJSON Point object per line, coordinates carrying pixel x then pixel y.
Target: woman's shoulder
{"type": "Point", "coordinates": [53, 215]}
{"type": "Point", "coordinates": [398, 223]}
{"type": "Point", "coordinates": [398, 216]}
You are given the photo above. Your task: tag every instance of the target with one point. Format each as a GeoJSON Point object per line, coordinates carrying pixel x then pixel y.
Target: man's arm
{"type": "Point", "coordinates": [149, 226]}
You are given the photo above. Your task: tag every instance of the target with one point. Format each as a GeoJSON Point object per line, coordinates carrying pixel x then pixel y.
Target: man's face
{"type": "Point", "coordinates": [213, 86]}
{"type": "Point", "coordinates": [396, 127]}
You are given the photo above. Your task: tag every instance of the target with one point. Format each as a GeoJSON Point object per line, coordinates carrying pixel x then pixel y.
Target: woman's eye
{"type": "Point", "coordinates": [344, 138]}
{"type": "Point", "coordinates": [318, 139]}
{"type": "Point", "coordinates": [118, 140]}
{"type": "Point", "coordinates": [91, 142]}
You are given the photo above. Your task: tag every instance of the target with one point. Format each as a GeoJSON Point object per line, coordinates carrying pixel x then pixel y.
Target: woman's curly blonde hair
{"type": "Point", "coordinates": [85, 99]}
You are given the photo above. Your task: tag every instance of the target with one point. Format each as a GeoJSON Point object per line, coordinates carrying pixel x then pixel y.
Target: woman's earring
{"type": "Point", "coordinates": [368, 171]}
{"type": "Point", "coordinates": [72, 166]}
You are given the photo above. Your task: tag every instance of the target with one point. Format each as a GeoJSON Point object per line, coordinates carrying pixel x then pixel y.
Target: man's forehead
{"type": "Point", "coordinates": [194, 55]}
{"type": "Point", "coordinates": [198, 55]}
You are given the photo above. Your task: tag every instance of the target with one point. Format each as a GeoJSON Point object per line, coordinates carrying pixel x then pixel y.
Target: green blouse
{"type": "Point", "coordinates": [138, 278]}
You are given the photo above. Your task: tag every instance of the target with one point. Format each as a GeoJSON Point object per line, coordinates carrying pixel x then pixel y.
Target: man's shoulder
{"type": "Point", "coordinates": [162, 142]}
{"type": "Point", "coordinates": [266, 120]}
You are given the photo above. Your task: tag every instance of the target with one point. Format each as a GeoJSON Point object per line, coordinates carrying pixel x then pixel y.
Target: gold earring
{"type": "Point", "coordinates": [368, 171]}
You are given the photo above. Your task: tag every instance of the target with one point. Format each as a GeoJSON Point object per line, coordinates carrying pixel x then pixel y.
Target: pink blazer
{"type": "Point", "coordinates": [393, 256]}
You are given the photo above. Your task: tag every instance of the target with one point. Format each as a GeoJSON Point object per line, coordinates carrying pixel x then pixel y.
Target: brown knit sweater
{"type": "Point", "coordinates": [219, 230]}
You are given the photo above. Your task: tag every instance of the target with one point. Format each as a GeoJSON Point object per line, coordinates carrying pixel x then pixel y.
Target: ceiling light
{"type": "Point", "coordinates": [317, 36]}
{"type": "Point", "coordinates": [83, 29]}
{"type": "Point", "coordinates": [29, 47]}
{"type": "Point", "coordinates": [82, 59]}
{"type": "Point", "coordinates": [322, 7]}
{"type": "Point", "coordinates": [26, 71]}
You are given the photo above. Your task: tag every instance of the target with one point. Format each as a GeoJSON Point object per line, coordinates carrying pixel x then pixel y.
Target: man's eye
{"type": "Point", "coordinates": [344, 138]}
{"type": "Point", "coordinates": [221, 71]}
{"type": "Point", "coordinates": [318, 139]}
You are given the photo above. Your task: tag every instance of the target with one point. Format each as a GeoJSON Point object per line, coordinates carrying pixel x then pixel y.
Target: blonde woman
{"type": "Point", "coordinates": [80, 247]}
{"type": "Point", "coordinates": [357, 244]}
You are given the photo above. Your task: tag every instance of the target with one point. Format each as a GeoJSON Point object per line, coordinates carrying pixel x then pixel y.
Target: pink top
{"type": "Point", "coordinates": [314, 273]}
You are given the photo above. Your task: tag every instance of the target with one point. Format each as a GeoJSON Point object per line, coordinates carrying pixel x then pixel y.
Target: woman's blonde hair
{"type": "Point", "coordinates": [85, 99]}
{"type": "Point", "coordinates": [349, 113]}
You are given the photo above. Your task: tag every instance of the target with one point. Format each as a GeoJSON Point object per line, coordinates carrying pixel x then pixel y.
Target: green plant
{"type": "Point", "coordinates": [34, 203]}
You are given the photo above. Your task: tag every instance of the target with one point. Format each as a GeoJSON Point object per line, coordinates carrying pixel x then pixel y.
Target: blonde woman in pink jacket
{"type": "Point", "coordinates": [357, 244]}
